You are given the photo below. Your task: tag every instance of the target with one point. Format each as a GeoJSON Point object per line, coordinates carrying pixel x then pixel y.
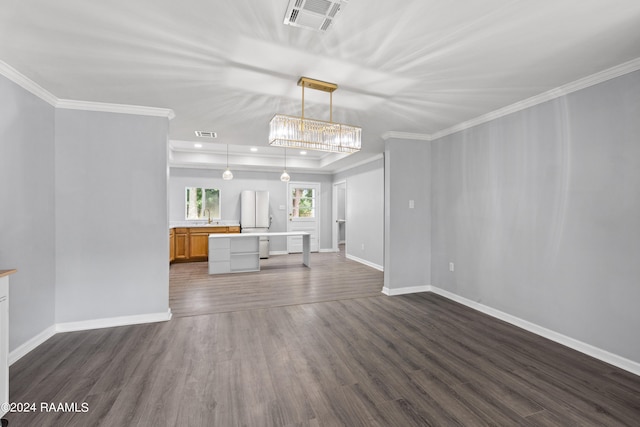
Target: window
{"type": "Point", "coordinates": [202, 203]}
{"type": "Point", "coordinates": [304, 202]}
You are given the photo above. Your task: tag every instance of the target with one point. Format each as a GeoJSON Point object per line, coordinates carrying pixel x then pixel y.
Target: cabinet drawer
{"type": "Point", "coordinates": [234, 229]}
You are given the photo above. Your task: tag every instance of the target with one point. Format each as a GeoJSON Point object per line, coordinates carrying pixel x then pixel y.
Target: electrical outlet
{"type": "Point", "coordinates": [451, 266]}
{"type": "Point", "coordinates": [412, 204]}
{"type": "Point", "coordinates": [363, 246]}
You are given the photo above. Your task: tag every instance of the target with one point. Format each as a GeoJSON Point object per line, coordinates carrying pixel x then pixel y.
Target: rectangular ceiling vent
{"type": "Point", "coordinates": [206, 134]}
{"type": "Point", "coordinates": [317, 15]}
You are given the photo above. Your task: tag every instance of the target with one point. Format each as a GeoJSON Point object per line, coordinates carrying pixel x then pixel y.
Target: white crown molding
{"type": "Point", "coordinates": [583, 83]}
{"type": "Point", "coordinates": [70, 104]}
{"type": "Point", "coordinates": [405, 135]}
{"type": "Point", "coordinates": [37, 90]}
{"type": "Point", "coordinates": [360, 163]}
{"type": "Point", "coordinates": [27, 84]}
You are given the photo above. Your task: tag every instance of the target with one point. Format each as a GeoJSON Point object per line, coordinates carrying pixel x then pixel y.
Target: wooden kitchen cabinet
{"type": "Point", "coordinates": [172, 245]}
{"type": "Point", "coordinates": [199, 241]}
{"type": "Point", "coordinates": [181, 244]}
{"type": "Point", "coordinates": [191, 244]}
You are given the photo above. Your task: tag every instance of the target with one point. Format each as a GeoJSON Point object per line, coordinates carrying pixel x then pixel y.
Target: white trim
{"type": "Point", "coordinates": [360, 163]}
{"type": "Point", "coordinates": [37, 340]}
{"type": "Point", "coordinates": [406, 290]}
{"type": "Point", "coordinates": [113, 322]}
{"type": "Point", "coordinates": [365, 262]}
{"type": "Point", "coordinates": [70, 104]}
{"type": "Point", "coordinates": [592, 80]}
{"type": "Point", "coordinates": [588, 349]}
{"type": "Point", "coordinates": [335, 228]}
{"type": "Point", "coordinates": [27, 84]}
{"type": "Point", "coordinates": [327, 250]}
{"type": "Point", "coordinates": [278, 253]}
{"type": "Point", "coordinates": [392, 134]}
{"type": "Point", "coordinates": [31, 344]}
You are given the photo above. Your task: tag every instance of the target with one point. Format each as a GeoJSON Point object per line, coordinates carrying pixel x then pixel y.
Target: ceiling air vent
{"type": "Point", "coordinates": [206, 134]}
{"type": "Point", "coordinates": [315, 15]}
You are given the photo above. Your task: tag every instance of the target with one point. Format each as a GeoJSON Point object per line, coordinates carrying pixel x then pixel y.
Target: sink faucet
{"type": "Point", "coordinates": [208, 212]}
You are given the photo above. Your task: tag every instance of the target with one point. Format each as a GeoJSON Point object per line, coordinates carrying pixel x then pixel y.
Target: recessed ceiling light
{"type": "Point", "coordinates": [197, 145]}
{"type": "Point", "coordinates": [304, 153]}
{"type": "Point", "coordinates": [254, 149]}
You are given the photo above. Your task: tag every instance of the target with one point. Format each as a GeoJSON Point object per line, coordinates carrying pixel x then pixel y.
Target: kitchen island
{"type": "Point", "coordinates": [239, 252]}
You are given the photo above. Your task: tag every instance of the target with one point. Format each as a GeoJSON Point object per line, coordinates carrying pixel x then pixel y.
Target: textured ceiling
{"type": "Point", "coordinates": [417, 66]}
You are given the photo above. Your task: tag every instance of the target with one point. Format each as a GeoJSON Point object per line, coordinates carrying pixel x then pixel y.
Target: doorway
{"type": "Point", "coordinates": [339, 232]}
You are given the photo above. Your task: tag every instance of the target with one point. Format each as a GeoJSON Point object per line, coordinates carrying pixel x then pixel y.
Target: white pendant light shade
{"type": "Point", "coordinates": [227, 175]}
{"type": "Point", "coordinates": [285, 176]}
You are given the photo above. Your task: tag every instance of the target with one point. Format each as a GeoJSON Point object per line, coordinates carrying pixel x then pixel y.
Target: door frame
{"type": "Point", "coordinates": [317, 207]}
{"type": "Point", "coordinates": [335, 229]}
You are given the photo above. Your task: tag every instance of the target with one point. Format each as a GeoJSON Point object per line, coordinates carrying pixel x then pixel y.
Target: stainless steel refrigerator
{"type": "Point", "coordinates": [254, 216]}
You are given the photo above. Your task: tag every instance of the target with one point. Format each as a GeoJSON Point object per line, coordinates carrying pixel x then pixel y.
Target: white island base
{"type": "Point", "coordinates": [240, 252]}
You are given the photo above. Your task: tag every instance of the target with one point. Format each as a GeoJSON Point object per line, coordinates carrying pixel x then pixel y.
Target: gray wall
{"type": "Point", "coordinates": [27, 225]}
{"type": "Point", "coordinates": [111, 215]}
{"type": "Point", "coordinates": [365, 211]}
{"type": "Point", "coordinates": [407, 254]}
{"type": "Point", "coordinates": [180, 178]}
{"type": "Point", "coordinates": [540, 211]}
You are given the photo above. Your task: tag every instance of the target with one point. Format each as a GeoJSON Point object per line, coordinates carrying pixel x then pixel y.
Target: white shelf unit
{"type": "Point", "coordinates": [229, 255]}
{"type": "Point", "coordinates": [245, 254]}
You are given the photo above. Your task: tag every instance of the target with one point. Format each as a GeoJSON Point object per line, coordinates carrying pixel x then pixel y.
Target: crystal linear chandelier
{"type": "Point", "coordinates": [311, 134]}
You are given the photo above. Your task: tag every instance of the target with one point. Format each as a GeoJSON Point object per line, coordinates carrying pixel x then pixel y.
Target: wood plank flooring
{"type": "Point", "coordinates": [413, 360]}
{"type": "Point", "coordinates": [282, 280]}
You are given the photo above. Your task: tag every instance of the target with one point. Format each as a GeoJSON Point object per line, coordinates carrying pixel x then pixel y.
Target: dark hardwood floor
{"type": "Point", "coordinates": [317, 360]}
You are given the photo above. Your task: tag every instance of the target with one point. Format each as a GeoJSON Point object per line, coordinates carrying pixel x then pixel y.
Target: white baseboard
{"type": "Point", "coordinates": [278, 253]}
{"type": "Point", "coordinates": [588, 349]}
{"type": "Point", "coordinates": [365, 262]}
{"type": "Point", "coordinates": [111, 322]}
{"type": "Point", "coordinates": [34, 342]}
{"type": "Point", "coordinates": [328, 250]}
{"type": "Point", "coordinates": [406, 290]}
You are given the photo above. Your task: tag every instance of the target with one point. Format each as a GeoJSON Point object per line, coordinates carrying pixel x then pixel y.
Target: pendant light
{"type": "Point", "coordinates": [227, 175]}
{"type": "Point", "coordinates": [285, 176]}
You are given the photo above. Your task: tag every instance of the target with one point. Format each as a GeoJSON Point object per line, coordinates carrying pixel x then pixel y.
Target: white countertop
{"type": "Point", "coordinates": [200, 223]}
{"type": "Point", "coordinates": [275, 233]}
